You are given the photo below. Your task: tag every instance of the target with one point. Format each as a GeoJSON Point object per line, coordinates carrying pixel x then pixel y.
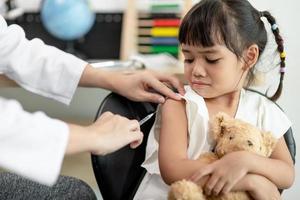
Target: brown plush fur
{"type": "Point", "coordinates": [230, 135]}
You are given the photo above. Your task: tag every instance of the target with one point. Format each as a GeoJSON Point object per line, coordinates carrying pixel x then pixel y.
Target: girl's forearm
{"type": "Point", "coordinates": [277, 171]}
{"type": "Point", "coordinates": [247, 183]}
{"type": "Point", "coordinates": [180, 169]}
{"type": "Point", "coordinates": [258, 187]}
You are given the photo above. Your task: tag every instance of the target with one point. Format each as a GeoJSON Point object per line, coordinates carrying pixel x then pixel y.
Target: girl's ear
{"type": "Point", "coordinates": [251, 56]}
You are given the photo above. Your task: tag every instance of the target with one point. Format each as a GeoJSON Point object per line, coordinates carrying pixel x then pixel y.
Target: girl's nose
{"type": "Point", "coordinates": [199, 70]}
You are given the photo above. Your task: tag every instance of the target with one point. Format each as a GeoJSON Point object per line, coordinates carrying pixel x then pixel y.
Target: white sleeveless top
{"type": "Point", "coordinates": [253, 108]}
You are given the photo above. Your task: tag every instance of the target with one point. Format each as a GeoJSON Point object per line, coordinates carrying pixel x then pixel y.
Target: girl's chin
{"type": "Point", "coordinates": [199, 91]}
{"type": "Point", "coordinates": [203, 92]}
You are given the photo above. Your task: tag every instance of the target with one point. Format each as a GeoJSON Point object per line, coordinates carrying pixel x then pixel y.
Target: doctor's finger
{"type": "Point", "coordinates": [136, 139]}
{"type": "Point", "coordinates": [163, 89]}
{"type": "Point", "coordinates": [153, 96]}
{"type": "Point", "coordinates": [173, 81]}
{"type": "Point", "coordinates": [134, 125]}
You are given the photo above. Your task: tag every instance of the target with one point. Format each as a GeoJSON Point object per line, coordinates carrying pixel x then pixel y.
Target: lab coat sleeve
{"type": "Point", "coordinates": [37, 67]}
{"type": "Point", "coordinates": [31, 144]}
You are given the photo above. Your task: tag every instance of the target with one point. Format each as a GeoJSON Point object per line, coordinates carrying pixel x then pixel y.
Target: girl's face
{"type": "Point", "coordinates": [212, 71]}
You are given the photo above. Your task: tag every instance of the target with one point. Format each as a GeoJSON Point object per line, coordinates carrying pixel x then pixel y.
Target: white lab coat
{"type": "Point", "coordinates": [32, 144]}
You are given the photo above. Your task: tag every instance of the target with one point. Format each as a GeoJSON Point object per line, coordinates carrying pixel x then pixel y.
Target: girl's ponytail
{"type": "Point", "coordinates": [280, 49]}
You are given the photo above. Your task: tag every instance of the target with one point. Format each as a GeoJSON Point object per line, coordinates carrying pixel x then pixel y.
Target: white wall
{"type": "Point", "coordinates": [287, 15]}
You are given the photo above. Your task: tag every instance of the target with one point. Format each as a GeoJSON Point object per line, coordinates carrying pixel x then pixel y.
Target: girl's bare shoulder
{"type": "Point", "coordinates": [173, 105]}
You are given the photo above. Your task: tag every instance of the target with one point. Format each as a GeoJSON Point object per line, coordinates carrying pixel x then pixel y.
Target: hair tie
{"type": "Point", "coordinates": [283, 55]}
{"type": "Point", "coordinates": [274, 27]}
{"type": "Point", "coordinates": [282, 70]}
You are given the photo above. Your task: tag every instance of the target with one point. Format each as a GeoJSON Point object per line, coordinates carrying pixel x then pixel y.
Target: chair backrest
{"type": "Point", "coordinates": [119, 174]}
{"type": "Point", "coordinates": [291, 144]}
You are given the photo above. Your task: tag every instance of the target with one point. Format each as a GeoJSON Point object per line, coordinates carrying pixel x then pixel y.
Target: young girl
{"type": "Point", "coordinates": [221, 40]}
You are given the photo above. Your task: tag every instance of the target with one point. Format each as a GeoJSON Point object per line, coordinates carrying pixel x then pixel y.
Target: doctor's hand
{"type": "Point", "coordinates": [107, 134]}
{"type": "Point", "coordinates": [147, 86]}
{"type": "Point", "coordinates": [144, 85]}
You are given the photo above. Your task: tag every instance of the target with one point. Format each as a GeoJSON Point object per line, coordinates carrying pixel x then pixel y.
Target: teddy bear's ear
{"type": "Point", "coordinates": [217, 125]}
{"type": "Point", "coordinates": [269, 142]}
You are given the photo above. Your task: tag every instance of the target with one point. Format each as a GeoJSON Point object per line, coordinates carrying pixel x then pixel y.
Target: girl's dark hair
{"type": "Point", "coordinates": [235, 23]}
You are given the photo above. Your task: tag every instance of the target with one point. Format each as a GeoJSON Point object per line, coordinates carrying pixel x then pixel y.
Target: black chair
{"type": "Point", "coordinates": [119, 174]}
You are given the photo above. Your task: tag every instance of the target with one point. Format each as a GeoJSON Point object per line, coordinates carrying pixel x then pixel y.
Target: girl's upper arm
{"type": "Point", "coordinates": [173, 139]}
{"type": "Point", "coordinates": [281, 152]}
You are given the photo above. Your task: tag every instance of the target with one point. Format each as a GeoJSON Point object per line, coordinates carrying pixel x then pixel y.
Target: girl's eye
{"type": "Point", "coordinates": [212, 61]}
{"type": "Point", "coordinates": [188, 61]}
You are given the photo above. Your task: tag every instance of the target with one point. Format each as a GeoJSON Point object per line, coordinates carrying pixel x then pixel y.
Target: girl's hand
{"type": "Point", "coordinates": [224, 173]}
{"type": "Point", "coordinates": [262, 188]}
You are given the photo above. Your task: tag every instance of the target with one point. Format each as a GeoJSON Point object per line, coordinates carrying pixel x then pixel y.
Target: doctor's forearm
{"type": "Point", "coordinates": [78, 140]}
{"type": "Point", "coordinates": [92, 77]}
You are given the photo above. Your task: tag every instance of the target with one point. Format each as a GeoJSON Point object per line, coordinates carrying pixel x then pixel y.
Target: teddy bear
{"type": "Point", "coordinates": [229, 135]}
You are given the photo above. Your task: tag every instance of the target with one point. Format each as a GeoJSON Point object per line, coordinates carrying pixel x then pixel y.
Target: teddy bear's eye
{"type": "Point", "coordinates": [231, 137]}
{"type": "Point", "coordinates": [249, 143]}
